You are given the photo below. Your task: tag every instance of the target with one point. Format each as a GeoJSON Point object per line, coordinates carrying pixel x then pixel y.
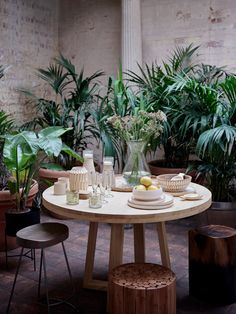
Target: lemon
{"type": "Point", "coordinates": [140, 187]}
{"type": "Point", "coordinates": [146, 181]}
{"type": "Point", "coordinates": [152, 188]}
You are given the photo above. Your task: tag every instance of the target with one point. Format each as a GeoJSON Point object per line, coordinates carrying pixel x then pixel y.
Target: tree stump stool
{"type": "Point", "coordinates": [141, 288]}
{"type": "Point", "coordinates": [212, 263]}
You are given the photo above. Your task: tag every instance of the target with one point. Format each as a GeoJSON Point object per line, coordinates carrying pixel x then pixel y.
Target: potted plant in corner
{"type": "Point", "coordinates": [154, 82]}
{"type": "Point", "coordinates": [71, 104]}
{"type": "Point", "coordinates": [6, 124]}
{"type": "Point", "coordinates": [23, 152]}
{"type": "Point", "coordinates": [217, 149]}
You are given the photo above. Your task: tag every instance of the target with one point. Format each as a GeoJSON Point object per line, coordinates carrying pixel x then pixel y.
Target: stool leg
{"type": "Point", "coordinates": [34, 260]}
{"type": "Point", "coordinates": [45, 279]}
{"type": "Point", "coordinates": [40, 273]}
{"type": "Point", "coordinates": [6, 256]}
{"type": "Point", "coordinates": [68, 266]}
{"type": "Point", "coordinates": [14, 283]}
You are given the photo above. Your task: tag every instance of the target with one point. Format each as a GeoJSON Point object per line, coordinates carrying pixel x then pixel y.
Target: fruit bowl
{"type": "Point", "coordinates": [147, 195]}
{"type": "Point", "coordinates": [173, 186]}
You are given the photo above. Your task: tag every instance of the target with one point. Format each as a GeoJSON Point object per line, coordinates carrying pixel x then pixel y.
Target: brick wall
{"type": "Point", "coordinates": [29, 38]}
{"type": "Point", "coordinates": [90, 33]}
{"type": "Point", "coordinates": [208, 23]}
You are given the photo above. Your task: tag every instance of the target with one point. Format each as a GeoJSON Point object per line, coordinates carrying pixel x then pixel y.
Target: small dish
{"type": "Point", "coordinates": [191, 197]}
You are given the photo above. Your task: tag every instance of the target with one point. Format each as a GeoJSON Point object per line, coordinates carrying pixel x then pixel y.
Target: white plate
{"type": "Point", "coordinates": [188, 190]}
{"type": "Point", "coordinates": [165, 203]}
{"type": "Point", "coordinates": [191, 197]}
{"type": "Point", "coordinates": [163, 200]}
{"type": "Point", "coordinates": [156, 207]}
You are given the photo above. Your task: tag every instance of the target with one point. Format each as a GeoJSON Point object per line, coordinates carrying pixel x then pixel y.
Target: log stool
{"type": "Point", "coordinates": [141, 288]}
{"type": "Point", "coordinates": [212, 263]}
{"type": "Point", "coordinates": [41, 236]}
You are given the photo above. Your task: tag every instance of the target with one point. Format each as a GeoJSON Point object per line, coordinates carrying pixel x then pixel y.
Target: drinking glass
{"type": "Point", "coordinates": [107, 181]}
{"type": "Point", "coordinates": [94, 180]}
{"type": "Point", "coordinates": [101, 187]}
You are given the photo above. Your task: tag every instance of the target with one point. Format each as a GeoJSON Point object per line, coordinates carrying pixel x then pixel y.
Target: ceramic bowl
{"type": "Point", "coordinates": [148, 195]}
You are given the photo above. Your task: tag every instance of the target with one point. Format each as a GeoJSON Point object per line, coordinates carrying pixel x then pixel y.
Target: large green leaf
{"type": "Point", "coordinates": [71, 152]}
{"type": "Point", "coordinates": [53, 131]}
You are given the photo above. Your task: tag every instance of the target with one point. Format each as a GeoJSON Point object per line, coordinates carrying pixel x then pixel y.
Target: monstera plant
{"type": "Point", "coordinates": [23, 153]}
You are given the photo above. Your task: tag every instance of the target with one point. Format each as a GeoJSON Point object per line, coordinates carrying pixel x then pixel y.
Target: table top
{"type": "Point", "coordinates": [116, 210]}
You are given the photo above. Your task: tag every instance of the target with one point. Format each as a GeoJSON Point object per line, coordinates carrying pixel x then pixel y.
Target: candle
{"type": "Point", "coordinates": [59, 188]}
{"type": "Point", "coordinates": [88, 155]}
{"type": "Point", "coordinates": [107, 162]}
{"type": "Point", "coordinates": [65, 180]}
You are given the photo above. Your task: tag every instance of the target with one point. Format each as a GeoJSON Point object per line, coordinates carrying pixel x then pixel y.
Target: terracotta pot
{"type": "Point", "coordinates": [47, 175]}
{"type": "Point", "coordinates": [7, 202]}
{"type": "Point", "coordinates": [16, 221]}
{"type": "Point", "coordinates": [156, 168]}
{"type": "Point", "coordinates": [222, 213]}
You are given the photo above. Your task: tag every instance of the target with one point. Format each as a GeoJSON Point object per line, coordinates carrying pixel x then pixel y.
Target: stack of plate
{"type": "Point", "coordinates": [163, 201]}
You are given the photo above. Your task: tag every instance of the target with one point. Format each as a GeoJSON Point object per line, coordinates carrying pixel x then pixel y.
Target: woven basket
{"type": "Point", "coordinates": [173, 186]}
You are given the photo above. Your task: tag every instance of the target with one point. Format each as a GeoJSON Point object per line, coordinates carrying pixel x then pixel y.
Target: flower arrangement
{"type": "Point", "coordinates": [142, 125]}
{"type": "Point", "coordinates": [137, 130]}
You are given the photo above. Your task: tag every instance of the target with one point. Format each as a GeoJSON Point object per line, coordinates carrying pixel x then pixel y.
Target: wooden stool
{"type": "Point", "coordinates": [141, 289]}
{"type": "Point", "coordinates": [41, 236]}
{"type": "Point", "coordinates": [212, 263]}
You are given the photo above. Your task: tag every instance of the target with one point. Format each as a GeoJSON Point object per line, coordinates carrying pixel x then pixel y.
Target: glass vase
{"type": "Point", "coordinates": [136, 165]}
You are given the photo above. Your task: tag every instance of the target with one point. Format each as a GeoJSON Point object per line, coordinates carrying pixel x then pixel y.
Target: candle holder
{"type": "Point", "coordinates": [59, 188]}
{"type": "Point", "coordinates": [95, 200]}
{"type": "Point", "coordinates": [72, 197]}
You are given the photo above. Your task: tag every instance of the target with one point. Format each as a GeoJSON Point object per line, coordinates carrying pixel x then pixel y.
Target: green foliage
{"type": "Point", "coordinates": [21, 153]}
{"type": "Point", "coordinates": [119, 101]}
{"type": "Point", "coordinates": [123, 115]}
{"type": "Point", "coordinates": [73, 106]}
{"type": "Point", "coordinates": [217, 146]}
{"type": "Point", "coordinates": [158, 82]}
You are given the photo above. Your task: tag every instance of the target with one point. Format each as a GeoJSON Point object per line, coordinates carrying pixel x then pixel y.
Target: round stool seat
{"type": "Point", "coordinates": [216, 231]}
{"type": "Point", "coordinates": [212, 263]}
{"type": "Point", "coordinates": [42, 235]}
{"type": "Point", "coordinates": [142, 288]}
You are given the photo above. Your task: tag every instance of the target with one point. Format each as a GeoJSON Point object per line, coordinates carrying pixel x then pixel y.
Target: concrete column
{"type": "Point", "coordinates": [131, 35]}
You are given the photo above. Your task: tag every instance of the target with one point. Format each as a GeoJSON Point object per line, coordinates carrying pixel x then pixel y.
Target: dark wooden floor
{"type": "Point", "coordinates": [94, 302]}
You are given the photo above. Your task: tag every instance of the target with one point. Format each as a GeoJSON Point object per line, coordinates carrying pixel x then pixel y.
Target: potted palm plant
{"type": "Point", "coordinates": [155, 82]}
{"type": "Point", "coordinates": [72, 105]}
{"type": "Point", "coordinates": [23, 153]}
{"type": "Point", "coordinates": [217, 149]}
{"type": "Point", "coordinates": [128, 125]}
{"type": "Point", "coordinates": [118, 101]}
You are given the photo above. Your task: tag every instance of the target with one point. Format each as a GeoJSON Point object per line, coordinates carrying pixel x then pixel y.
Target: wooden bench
{"type": "Point", "coordinates": [141, 288]}
{"type": "Point", "coordinates": [212, 263]}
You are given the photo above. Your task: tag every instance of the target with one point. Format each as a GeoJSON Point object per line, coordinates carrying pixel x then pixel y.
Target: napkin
{"type": "Point", "coordinates": [178, 177]}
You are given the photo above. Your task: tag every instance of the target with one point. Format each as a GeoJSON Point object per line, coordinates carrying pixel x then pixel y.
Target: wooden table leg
{"type": "Point", "coordinates": [116, 245]}
{"type": "Point", "coordinates": [165, 257]}
{"type": "Point", "coordinates": [139, 243]}
{"type": "Point", "coordinates": [91, 247]}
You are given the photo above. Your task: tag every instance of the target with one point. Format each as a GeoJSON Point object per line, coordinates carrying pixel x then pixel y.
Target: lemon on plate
{"type": "Point", "coordinates": [140, 187]}
{"type": "Point", "coordinates": [147, 181]}
{"type": "Point", "coordinates": [152, 187]}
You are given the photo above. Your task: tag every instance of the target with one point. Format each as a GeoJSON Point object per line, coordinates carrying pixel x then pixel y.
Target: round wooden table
{"type": "Point", "coordinates": [117, 213]}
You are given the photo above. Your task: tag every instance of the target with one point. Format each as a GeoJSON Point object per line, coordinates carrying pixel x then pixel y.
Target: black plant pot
{"type": "Point", "coordinates": [16, 221]}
